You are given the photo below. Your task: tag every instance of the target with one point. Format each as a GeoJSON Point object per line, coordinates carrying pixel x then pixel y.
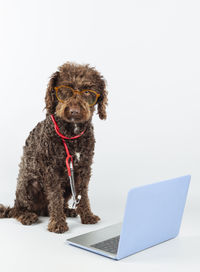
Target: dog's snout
{"type": "Point", "coordinates": [74, 110]}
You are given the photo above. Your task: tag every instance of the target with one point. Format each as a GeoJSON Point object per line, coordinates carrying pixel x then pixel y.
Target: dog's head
{"type": "Point", "coordinates": [74, 91]}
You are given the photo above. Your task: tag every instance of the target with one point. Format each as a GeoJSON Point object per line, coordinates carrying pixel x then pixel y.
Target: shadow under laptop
{"type": "Point", "coordinates": [181, 250]}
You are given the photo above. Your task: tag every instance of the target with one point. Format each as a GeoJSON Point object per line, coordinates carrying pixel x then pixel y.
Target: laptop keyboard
{"type": "Point", "coordinates": [110, 245]}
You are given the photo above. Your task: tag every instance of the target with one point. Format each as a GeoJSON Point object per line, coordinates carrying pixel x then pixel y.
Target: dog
{"type": "Point", "coordinates": [73, 94]}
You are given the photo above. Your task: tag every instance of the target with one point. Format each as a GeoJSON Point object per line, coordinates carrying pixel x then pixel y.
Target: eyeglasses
{"type": "Point", "coordinates": [63, 93]}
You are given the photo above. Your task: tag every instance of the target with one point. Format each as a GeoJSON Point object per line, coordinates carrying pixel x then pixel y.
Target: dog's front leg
{"type": "Point", "coordinates": [84, 210]}
{"type": "Point", "coordinates": [55, 199]}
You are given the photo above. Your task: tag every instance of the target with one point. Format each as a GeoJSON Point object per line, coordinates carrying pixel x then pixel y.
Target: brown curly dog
{"type": "Point", "coordinates": [43, 186]}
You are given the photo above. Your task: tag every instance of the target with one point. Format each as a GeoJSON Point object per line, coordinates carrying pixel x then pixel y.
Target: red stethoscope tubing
{"type": "Point", "coordinates": [61, 135]}
{"type": "Point", "coordinates": [69, 156]}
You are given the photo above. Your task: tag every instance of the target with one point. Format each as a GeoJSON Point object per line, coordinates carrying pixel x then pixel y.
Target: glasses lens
{"type": "Point", "coordinates": [89, 96]}
{"type": "Point", "coordinates": [63, 93]}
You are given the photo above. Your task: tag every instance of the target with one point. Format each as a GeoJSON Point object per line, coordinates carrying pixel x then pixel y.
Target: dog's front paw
{"type": "Point", "coordinates": [57, 226]}
{"type": "Point", "coordinates": [90, 219]}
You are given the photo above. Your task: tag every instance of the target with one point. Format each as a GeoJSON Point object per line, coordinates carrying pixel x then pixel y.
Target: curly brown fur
{"type": "Point", "coordinates": [43, 183]}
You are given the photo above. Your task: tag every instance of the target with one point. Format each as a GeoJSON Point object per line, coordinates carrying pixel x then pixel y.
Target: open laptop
{"type": "Point", "coordinates": [152, 215]}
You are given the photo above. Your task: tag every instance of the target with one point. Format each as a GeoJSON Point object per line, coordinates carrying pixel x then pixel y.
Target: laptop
{"type": "Point", "coordinates": [152, 215]}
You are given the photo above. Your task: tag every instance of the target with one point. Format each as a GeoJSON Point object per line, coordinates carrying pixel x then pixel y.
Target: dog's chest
{"type": "Point", "coordinates": [77, 156]}
{"type": "Point", "coordinates": [79, 148]}
{"type": "Point", "coordinates": [74, 147]}
{"type": "Point", "coordinates": [77, 151]}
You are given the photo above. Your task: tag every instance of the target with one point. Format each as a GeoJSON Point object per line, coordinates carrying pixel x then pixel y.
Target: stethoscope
{"type": "Point", "coordinates": [69, 163]}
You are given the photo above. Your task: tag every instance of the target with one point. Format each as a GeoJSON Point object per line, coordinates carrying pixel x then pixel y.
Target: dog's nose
{"type": "Point", "coordinates": [74, 111]}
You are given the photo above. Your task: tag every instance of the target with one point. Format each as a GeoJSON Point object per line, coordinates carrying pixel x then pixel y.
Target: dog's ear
{"type": "Point", "coordinates": [103, 102]}
{"type": "Point", "coordinates": [50, 98]}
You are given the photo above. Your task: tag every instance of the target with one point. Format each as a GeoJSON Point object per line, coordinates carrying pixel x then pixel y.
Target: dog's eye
{"type": "Point", "coordinates": [90, 96]}
{"type": "Point", "coordinates": [87, 93]}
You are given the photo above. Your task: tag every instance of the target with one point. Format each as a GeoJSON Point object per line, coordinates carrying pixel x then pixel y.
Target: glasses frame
{"type": "Point", "coordinates": [76, 92]}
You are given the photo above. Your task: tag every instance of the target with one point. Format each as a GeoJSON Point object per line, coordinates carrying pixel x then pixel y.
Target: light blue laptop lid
{"type": "Point", "coordinates": [153, 215]}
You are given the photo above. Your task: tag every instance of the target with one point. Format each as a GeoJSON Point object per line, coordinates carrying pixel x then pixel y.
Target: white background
{"type": "Point", "coordinates": [148, 51]}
